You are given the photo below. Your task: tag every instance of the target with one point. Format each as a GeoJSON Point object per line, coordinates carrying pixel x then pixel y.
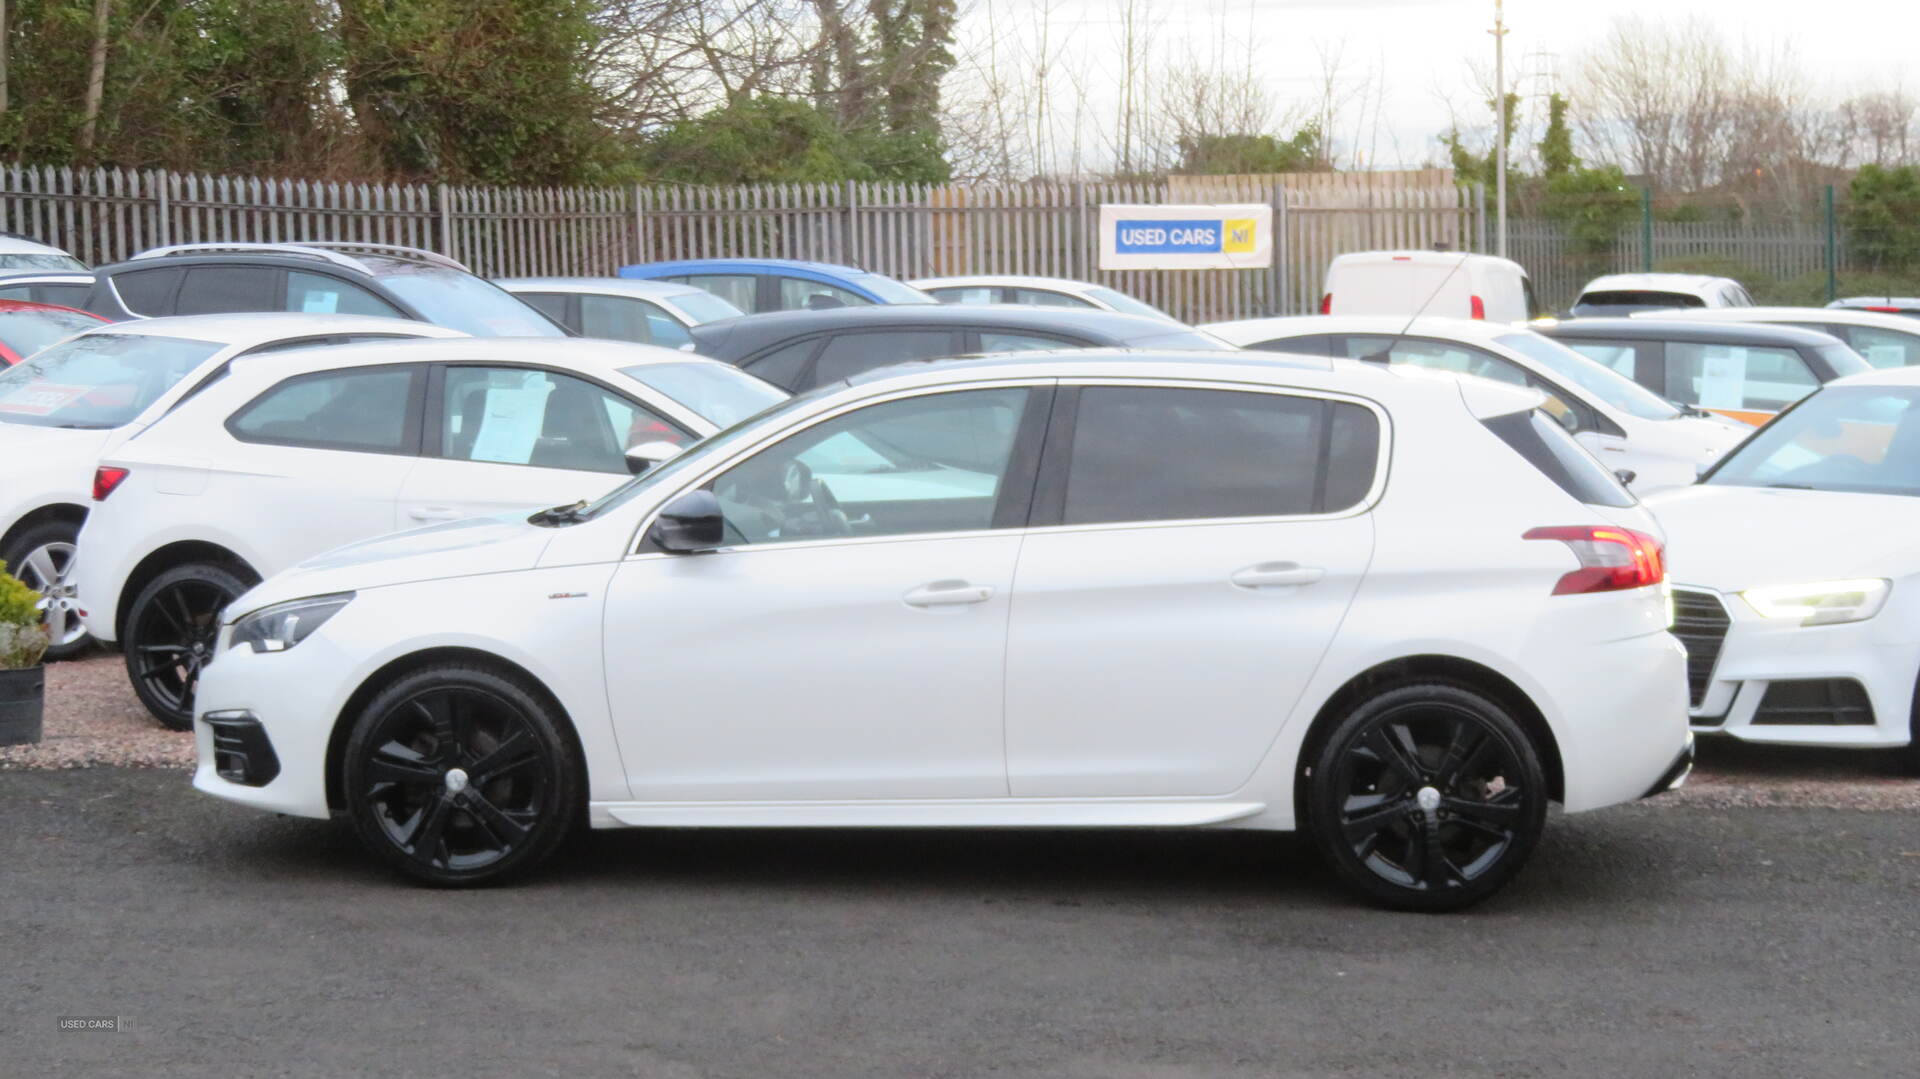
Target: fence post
{"type": "Point", "coordinates": [639, 229]}
{"type": "Point", "coordinates": [1646, 230]}
{"type": "Point", "coordinates": [1083, 266]}
{"type": "Point", "coordinates": [1833, 251]}
{"type": "Point", "coordinates": [446, 221]}
{"type": "Point", "coordinates": [1480, 217]}
{"type": "Point", "coordinates": [849, 235]}
{"type": "Point", "coordinates": [162, 233]}
{"type": "Point", "coordinates": [1277, 244]}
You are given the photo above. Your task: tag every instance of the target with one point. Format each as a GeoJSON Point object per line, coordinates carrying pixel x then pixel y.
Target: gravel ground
{"type": "Point", "coordinates": [93, 718]}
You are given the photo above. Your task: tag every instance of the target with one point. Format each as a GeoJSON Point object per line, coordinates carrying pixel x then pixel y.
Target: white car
{"type": "Point", "coordinates": [18, 254]}
{"type": "Point", "coordinates": [1626, 293]}
{"type": "Point", "coordinates": [1101, 589]}
{"type": "Point", "coordinates": [1797, 579]}
{"type": "Point", "coordinates": [1628, 427]}
{"type": "Point", "coordinates": [284, 458]}
{"type": "Point", "coordinates": [623, 308]}
{"type": "Point", "coordinates": [1444, 284]}
{"type": "Point", "coordinates": [1885, 340]}
{"type": "Point", "coordinates": [71, 402]}
{"type": "Point", "coordinates": [1040, 291]}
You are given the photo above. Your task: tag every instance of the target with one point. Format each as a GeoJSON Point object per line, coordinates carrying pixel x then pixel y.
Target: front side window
{"type": "Point", "coordinates": [363, 409]}
{"type": "Point", "coordinates": [312, 293]}
{"type": "Point", "coordinates": [1438, 356]}
{"type": "Point", "coordinates": [1044, 298]}
{"type": "Point", "coordinates": [970, 294]}
{"type": "Point", "coordinates": [1737, 377]}
{"type": "Point", "coordinates": [1022, 342]}
{"type": "Point", "coordinates": [517, 416]}
{"type": "Point", "coordinates": [934, 463]}
{"type": "Point", "coordinates": [1312, 345]}
{"type": "Point", "coordinates": [1844, 438]}
{"type": "Point", "coordinates": [1163, 454]}
{"type": "Point", "coordinates": [851, 354]}
{"type": "Point", "coordinates": [1884, 348]}
{"type": "Point", "coordinates": [798, 294]}
{"type": "Point", "coordinates": [720, 394]}
{"type": "Point", "coordinates": [737, 289]}
{"type": "Point", "coordinates": [98, 380]}
{"type": "Point", "coordinates": [701, 308]}
{"type": "Point", "coordinates": [623, 318]}
{"type": "Point", "coordinates": [1621, 356]}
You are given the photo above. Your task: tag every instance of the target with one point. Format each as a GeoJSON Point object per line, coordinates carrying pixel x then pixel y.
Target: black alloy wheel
{"type": "Point", "coordinates": [1428, 797]}
{"type": "Point", "coordinates": [170, 636]}
{"type": "Point", "coordinates": [458, 775]}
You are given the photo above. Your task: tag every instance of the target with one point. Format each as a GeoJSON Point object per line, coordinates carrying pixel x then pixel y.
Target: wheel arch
{"type": "Point", "coordinates": [164, 558]}
{"type": "Point", "coordinates": [1432, 668]}
{"type": "Point", "coordinates": [372, 684]}
{"type": "Point", "coordinates": [66, 512]}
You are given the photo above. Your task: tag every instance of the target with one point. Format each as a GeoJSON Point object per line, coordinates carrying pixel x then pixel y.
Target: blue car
{"type": "Point", "coordinates": [755, 285]}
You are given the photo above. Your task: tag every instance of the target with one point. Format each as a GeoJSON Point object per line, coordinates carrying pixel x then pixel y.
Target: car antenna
{"type": "Point", "coordinates": [1422, 309]}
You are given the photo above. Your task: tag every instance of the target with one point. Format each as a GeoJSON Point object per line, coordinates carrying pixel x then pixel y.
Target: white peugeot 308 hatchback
{"type": "Point", "coordinates": [1403, 611]}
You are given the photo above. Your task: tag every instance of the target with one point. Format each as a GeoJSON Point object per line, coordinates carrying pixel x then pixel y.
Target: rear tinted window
{"type": "Point", "coordinates": [853, 353]}
{"type": "Point", "coordinates": [147, 292]}
{"type": "Point", "coordinates": [219, 290]}
{"type": "Point", "coordinates": [1639, 298]}
{"type": "Point", "coordinates": [1548, 447]}
{"type": "Point", "coordinates": [368, 409]}
{"type": "Point", "coordinates": [1161, 454]}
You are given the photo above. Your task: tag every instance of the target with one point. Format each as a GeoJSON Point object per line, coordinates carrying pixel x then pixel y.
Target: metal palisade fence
{"type": "Point", "coordinates": [904, 230]}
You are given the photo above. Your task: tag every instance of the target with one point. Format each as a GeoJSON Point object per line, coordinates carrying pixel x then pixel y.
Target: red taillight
{"type": "Point", "coordinates": [1477, 307]}
{"type": "Point", "coordinates": [1326, 304]}
{"type": "Point", "coordinates": [1611, 559]}
{"type": "Point", "coordinates": [105, 479]}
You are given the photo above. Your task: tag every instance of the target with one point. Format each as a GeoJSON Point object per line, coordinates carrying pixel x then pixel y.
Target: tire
{"type": "Point", "coordinates": [42, 556]}
{"type": "Point", "coordinates": [170, 632]}
{"type": "Point", "coordinates": [1427, 797]}
{"type": "Point", "coordinates": [457, 775]}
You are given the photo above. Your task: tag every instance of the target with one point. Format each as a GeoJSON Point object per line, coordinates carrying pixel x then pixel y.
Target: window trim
{"type": "Point", "coordinates": [433, 414]}
{"type": "Point", "coordinates": [1042, 396]}
{"type": "Point", "coordinates": [1050, 490]}
{"type": "Point", "coordinates": [410, 433]}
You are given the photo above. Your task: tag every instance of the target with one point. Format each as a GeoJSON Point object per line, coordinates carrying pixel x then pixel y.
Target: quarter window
{"type": "Point", "coordinates": [926, 464]}
{"type": "Point", "coordinates": [1160, 454]}
{"type": "Point", "coordinates": [148, 292]}
{"type": "Point", "coordinates": [516, 416]}
{"type": "Point", "coordinates": [368, 409]}
{"type": "Point", "coordinates": [1736, 377]}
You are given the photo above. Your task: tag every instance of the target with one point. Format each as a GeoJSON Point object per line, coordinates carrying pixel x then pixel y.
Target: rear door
{"type": "Point", "coordinates": [504, 438]}
{"type": "Point", "coordinates": [1191, 554]}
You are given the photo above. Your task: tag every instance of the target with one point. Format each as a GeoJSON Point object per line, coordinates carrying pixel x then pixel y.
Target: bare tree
{"type": "Point", "coordinates": [96, 76]}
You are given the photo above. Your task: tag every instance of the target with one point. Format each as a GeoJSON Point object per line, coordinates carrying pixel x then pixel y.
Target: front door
{"type": "Point", "coordinates": [1205, 546]}
{"type": "Point", "coordinates": [848, 642]}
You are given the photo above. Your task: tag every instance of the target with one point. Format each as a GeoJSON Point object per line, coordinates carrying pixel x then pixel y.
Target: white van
{"type": "Point", "coordinates": [1443, 284]}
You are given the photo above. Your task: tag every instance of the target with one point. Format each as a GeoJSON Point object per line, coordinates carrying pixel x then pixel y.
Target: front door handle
{"type": "Point", "coordinates": [1277, 575]}
{"type": "Point", "coordinates": [947, 594]}
{"type": "Point", "coordinates": [432, 513]}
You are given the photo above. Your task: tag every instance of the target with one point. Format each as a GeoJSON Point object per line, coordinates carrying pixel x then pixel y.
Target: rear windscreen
{"type": "Point", "coordinates": [1548, 447]}
{"type": "Point", "coordinates": [1635, 300]}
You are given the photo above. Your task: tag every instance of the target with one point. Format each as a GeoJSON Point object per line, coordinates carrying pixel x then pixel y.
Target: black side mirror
{"type": "Point", "coordinates": [693, 522]}
{"type": "Point", "coordinates": [1626, 476]}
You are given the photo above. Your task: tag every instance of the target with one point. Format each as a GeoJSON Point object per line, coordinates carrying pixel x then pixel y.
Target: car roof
{"type": "Point", "coordinates": [12, 243]}
{"type": "Point", "coordinates": [1655, 282]}
{"type": "Point", "coordinates": [1254, 330]}
{"type": "Point", "coordinates": [1008, 279]}
{"type": "Point", "coordinates": [743, 336]}
{"type": "Point", "coordinates": [46, 277]}
{"type": "Point", "coordinates": [254, 327]}
{"type": "Point", "coordinates": [642, 287]}
{"type": "Point", "coordinates": [1704, 330]}
{"type": "Point", "coordinates": [1421, 256]}
{"type": "Point", "coordinates": [1840, 315]}
{"type": "Point", "coordinates": [1873, 301]}
{"type": "Point", "coordinates": [1881, 376]}
{"type": "Point", "coordinates": [588, 355]}
{"type": "Point", "coordinates": [713, 265]}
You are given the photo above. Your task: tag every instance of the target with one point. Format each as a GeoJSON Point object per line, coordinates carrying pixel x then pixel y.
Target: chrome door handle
{"type": "Point", "coordinates": [432, 513]}
{"type": "Point", "coordinates": [1277, 575]}
{"type": "Point", "coordinates": [947, 594]}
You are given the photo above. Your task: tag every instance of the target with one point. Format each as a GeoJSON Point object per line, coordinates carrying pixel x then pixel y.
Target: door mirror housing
{"type": "Point", "coordinates": [647, 454]}
{"type": "Point", "coordinates": [1626, 476]}
{"type": "Point", "coordinates": [688, 524]}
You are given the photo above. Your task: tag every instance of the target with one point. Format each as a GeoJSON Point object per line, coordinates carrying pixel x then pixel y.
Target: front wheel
{"type": "Point", "coordinates": [170, 634]}
{"type": "Point", "coordinates": [457, 775]}
{"type": "Point", "coordinates": [1427, 797]}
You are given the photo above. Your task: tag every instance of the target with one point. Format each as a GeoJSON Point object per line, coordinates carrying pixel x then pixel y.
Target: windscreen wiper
{"type": "Point", "coordinates": [569, 514]}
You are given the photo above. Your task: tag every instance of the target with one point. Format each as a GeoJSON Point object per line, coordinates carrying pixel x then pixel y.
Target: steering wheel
{"type": "Point", "coordinates": [833, 519]}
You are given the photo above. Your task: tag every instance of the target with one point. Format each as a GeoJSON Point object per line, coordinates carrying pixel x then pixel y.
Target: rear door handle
{"type": "Point", "coordinates": [432, 513]}
{"type": "Point", "coordinates": [947, 594]}
{"type": "Point", "coordinates": [1277, 575]}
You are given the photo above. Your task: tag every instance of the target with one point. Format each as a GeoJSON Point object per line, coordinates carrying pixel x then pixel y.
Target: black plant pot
{"type": "Point", "coordinates": [21, 695]}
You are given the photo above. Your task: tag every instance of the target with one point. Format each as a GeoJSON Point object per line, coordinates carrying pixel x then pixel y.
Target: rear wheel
{"type": "Point", "coordinates": [458, 775]}
{"type": "Point", "coordinates": [42, 556]}
{"type": "Point", "coordinates": [1427, 797]}
{"type": "Point", "coordinates": [170, 633]}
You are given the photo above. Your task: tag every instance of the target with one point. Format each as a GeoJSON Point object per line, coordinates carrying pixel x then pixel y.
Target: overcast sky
{"type": "Point", "coordinates": [1420, 48]}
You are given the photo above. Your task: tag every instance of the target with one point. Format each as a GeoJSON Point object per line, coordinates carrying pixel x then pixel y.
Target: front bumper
{"type": "Point", "coordinates": [1770, 672]}
{"type": "Point", "coordinates": [1676, 774]}
{"type": "Point", "coordinates": [280, 703]}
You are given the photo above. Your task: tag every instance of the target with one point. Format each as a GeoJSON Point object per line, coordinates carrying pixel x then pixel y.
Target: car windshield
{"type": "Point", "coordinates": [27, 332]}
{"type": "Point", "coordinates": [40, 262]}
{"type": "Point", "coordinates": [720, 394]}
{"type": "Point", "coordinates": [1603, 382]}
{"type": "Point", "coordinates": [1843, 438]}
{"type": "Point", "coordinates": [98, 380]}
{"type": "Point", "coordinates": [1120, 301]}
{"type": "Point", "coordinates": [461, 301]}
{"type": "Point", "coordinates": [697, 455]}
{"type": "Point", "coordinates": [704, 307]}
{"type": "Point", "coordinates": [891, 291]}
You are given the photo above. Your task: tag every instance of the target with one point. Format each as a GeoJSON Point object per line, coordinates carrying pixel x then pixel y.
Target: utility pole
{"type": "Point", "coordinates": [1499, 33]}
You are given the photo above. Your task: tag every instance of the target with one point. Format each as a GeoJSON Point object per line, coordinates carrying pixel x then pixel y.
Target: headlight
{"type": "Point", "coordinates": [1823, 603]}
{"type": "Point", "coordinates": [283, 625]}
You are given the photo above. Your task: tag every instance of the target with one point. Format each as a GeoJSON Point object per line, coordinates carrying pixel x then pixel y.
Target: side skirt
{"type": "Point", "coordinates": [982, 813]}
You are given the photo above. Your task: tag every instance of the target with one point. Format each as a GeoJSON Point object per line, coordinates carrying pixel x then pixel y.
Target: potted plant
{"type": "Point", "coordinates": [23, 640]}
